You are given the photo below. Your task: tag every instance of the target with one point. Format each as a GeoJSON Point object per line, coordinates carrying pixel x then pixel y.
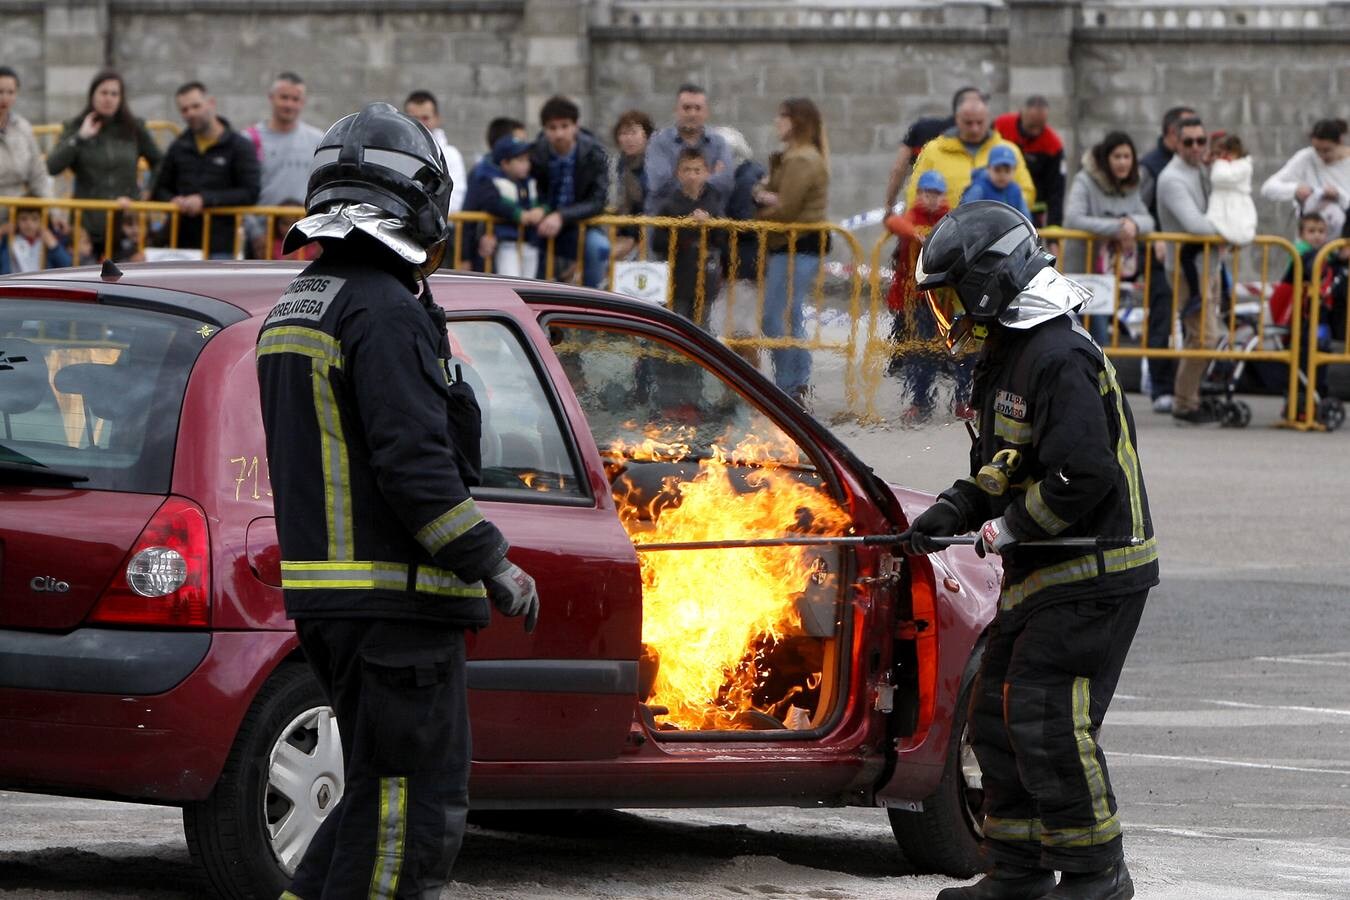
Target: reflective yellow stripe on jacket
{"type": "Point", "coordinates": [309, 342]}
{"type": "Point", "coordinates": [1079, 569]}
{"type": "Point", "coordinates": [445, 528]}
{"type": "Point", "coordinates": [324, 352]}
{"type": "Point", "coordinates": [302, 575]}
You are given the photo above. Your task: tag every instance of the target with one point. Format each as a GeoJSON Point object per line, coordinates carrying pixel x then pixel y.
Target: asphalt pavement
{"type": "Point", "coordinates": [1228, 742]}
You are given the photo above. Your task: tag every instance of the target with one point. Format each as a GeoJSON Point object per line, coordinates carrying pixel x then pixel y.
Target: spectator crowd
{"type": "Point", "coordinates": [542, 189]}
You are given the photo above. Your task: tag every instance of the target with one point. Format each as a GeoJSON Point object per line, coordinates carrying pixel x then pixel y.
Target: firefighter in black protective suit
{"type": "Point", "coordinates": [1054, 458]}
{"type": "Point", "coordinates": [372, 444]}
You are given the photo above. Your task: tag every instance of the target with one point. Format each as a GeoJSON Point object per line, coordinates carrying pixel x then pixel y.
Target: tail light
{"type": "Point", "coordinates": [166, 578]}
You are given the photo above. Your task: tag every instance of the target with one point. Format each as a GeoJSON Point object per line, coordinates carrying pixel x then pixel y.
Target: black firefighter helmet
{"type": "Point", "coordinates": [986, 252]}
{"type": "Point", "coordinates": [381, 157]}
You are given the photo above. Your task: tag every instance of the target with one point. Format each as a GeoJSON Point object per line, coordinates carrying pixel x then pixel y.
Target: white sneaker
{"type": "Point", "coordinates": [1162, 404]}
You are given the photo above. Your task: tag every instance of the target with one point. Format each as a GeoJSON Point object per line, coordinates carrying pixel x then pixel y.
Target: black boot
{"type": "Point", "coordinates": [1108, 884]}
{"type": "Point", "coordinates": [1005, 883]}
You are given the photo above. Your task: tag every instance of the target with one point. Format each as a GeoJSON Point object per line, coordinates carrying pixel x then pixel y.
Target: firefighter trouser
{"type": "Point", "coordinates": [1046, 679]}
{"type": "Point", "coordinates": [398, 690]}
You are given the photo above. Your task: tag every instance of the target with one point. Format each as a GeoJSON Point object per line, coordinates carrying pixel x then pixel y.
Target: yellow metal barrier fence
{"type": "Point", "coordinates": [1333, 296]}
{"type": "Point", "coordinates": [744, 294]}
{"type": "Point", "coordinates": [863, 340]}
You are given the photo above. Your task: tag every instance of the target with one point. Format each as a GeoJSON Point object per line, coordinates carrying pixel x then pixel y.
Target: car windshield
{"type": "Point", "coordinates": [90, 394]}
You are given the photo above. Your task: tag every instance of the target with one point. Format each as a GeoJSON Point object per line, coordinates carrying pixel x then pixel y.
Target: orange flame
{"type": "Point", "coordinates": [710, 617]}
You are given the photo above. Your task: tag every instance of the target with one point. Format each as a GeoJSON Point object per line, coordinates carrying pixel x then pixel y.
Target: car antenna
{"type": "Point", "coordinates": [110, 271]}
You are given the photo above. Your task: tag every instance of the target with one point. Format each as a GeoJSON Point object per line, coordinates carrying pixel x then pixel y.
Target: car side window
{"type": "Point", "coordinates": [646, 398]}
{"type": "Point", "coordinates": [524, 448]}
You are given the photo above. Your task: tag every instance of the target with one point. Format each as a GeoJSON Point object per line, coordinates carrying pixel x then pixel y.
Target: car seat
{"type": "Point", "coordinates": [24, 384]}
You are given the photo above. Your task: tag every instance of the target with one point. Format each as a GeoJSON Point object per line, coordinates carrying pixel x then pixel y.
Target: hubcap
{"type": "Point", "coordinates": [304, 783]}
{"type": "Point", "coordinates": [972, 784]}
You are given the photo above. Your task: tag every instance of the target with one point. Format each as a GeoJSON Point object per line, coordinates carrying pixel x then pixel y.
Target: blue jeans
{"type": "Point", "coordinates": [596, 262]}
{"type": "Point", "coordinates": [791, 365]}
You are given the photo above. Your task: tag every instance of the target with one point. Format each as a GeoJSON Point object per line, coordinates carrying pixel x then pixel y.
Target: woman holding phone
{"type": "Point", "coordinates": [102, 146]}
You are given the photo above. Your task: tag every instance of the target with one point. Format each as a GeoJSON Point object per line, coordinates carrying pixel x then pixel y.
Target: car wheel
{"type": "Point", "coordinates": [283, 776]}
{"type": "Point", "coordinates": [944, 836]}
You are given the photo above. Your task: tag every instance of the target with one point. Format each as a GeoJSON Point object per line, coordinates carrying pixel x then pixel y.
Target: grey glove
{"type": "Point", "coordinates": [512, 591]}
{"type": "Point", "coordinates": [995, 537]}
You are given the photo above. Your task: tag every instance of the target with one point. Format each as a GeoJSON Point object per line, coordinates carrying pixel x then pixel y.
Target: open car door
{"type": "Point", "coordinates": [569, 690]}
{"type": "Point", "coordinates": [755, 644]}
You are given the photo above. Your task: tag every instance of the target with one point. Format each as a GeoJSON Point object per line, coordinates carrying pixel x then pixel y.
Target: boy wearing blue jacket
{"type": "Point", "coordinates": [503, 187]}
{"type": "Point", "coordinates": [995, 181]}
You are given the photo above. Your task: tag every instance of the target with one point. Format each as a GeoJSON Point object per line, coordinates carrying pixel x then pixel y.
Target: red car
{"type": "Point", "coordinates": [145, 654]}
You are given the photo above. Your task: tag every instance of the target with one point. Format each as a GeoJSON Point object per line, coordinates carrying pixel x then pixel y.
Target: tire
{"type": "Point", "coordinates": [248, 836]}
{"type": "Point", "coordinates": [1331, 413]}
{"type": "Point", "coordinates": [944, 837]}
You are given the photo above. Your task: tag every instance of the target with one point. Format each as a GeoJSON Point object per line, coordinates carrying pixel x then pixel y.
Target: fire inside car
{"type": "Point", "coordinates": [738, 639]}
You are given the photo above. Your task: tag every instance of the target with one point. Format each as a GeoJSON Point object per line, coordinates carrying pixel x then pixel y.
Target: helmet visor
{"type": "Point", "coordinates": [954, 326]}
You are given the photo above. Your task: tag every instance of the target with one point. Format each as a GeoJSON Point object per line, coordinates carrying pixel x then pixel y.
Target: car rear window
{"type": "Point", "coordinates": [94, 389]}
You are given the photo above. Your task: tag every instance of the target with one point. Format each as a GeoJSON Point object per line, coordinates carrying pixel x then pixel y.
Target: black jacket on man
{"type": "Point", "coordinates": [1050, 394]}
{"type": "Point", "coordinates": [590, 178]}
{"type": "Point", "coordinates": [227, 174]}
{"type": "Point", "coordinates": [371, 448]}
{"type": "Point", "coordinates": [1151, 165]}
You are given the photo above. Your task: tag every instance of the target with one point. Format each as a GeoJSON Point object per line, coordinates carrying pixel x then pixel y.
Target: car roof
{"type": "Point", "coordinates": [255, 286]}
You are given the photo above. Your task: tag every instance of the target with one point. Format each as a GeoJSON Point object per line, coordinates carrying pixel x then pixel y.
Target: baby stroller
{"type": "Point", "coordinates": [1219, 388]}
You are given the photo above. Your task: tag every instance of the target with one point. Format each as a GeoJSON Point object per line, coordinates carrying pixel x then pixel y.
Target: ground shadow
{"type": "Point", "coordinates": [163, 873]}
{"type": "Point", "coordinates": [601, 840]}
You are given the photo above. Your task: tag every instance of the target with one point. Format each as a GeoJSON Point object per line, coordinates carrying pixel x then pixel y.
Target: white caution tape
{"type": "Point", "coordinates": [863, 219]}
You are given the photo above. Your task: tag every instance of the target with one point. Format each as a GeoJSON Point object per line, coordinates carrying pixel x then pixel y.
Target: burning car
{"type": "Point", "coordinates": [145, 654]}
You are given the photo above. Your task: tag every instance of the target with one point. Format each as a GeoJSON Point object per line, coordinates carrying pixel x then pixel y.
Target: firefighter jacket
{"type": "Point", "coordinates": [1050, 394]}
{"type": "Point", "coordinates": [370, 447]}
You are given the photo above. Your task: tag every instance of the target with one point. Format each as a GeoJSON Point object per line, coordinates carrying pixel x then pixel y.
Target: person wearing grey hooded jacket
{"type": "Point", "coordinates": [1105, 200]}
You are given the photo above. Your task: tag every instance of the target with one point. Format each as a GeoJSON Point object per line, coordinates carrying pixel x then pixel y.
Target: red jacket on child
{"type": "Point", "coordinates": [908, 226]}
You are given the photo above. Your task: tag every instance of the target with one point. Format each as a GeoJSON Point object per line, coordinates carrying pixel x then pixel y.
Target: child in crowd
{"type": "Point", "coordinates": [1312, 233]}
{"type": "Point", "coordinates": [913, 329]}
{"type": "Point", "coordinates": [698, 201]}
{"type": "Point", "coordinates": [27, 246]}
{"type": "Point", "coordinates": [127, 244]}
{"type": "Point", "coordinates": [1231, 210]}
{"type": "Point", "coordinates": [995, 181]}
{"type": "Point", "coordinates": [478, 240]}
{"type": "Point", "coordinates": [505, 190]}
{"type": "Point", "coordinates": [1330, 293]}
{"type": "Point", "coordinates": [281, 226]}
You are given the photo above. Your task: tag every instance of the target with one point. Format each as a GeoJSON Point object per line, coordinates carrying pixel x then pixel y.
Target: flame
{"type": "Point", "coordinates": [711, 617]}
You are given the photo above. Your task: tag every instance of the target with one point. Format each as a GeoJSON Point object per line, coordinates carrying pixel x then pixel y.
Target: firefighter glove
{"type": "Point", "coordinates": [942, 519]}
{"type": "Point", "coordinates": [513, 593]}
{"type": "Point", "coordinates": [995, 537]}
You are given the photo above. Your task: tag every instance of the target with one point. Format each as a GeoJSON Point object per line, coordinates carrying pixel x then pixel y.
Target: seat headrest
{"type": "Point", "coordinates": [112, 391]}
{"type": "Point", "coordinates": [23, 376]}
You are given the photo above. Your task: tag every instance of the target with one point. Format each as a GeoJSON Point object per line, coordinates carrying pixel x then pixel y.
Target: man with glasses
{"type": "Point", "coordinates": [1183, 196]}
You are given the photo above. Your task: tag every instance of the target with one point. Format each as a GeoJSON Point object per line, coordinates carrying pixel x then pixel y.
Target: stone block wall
{"type": "Point", "coordinates": [1267, 92]}
{"type": "Point", "coordinates": [865, 102]}
{"type": "Point", "coordinates": [21, 48]}
{"type": "Point", "coordinates": [473, 61]}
